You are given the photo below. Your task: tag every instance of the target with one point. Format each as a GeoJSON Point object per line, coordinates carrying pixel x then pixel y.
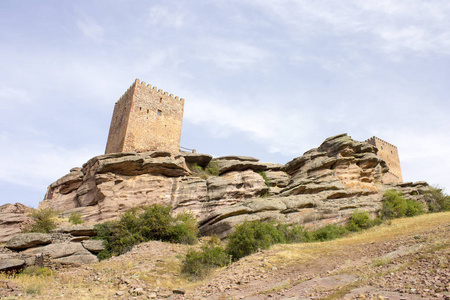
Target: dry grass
{"type": "Point", "coordinates": [300, 253]}
{"type": "Point", "coordinates": [102, 280]}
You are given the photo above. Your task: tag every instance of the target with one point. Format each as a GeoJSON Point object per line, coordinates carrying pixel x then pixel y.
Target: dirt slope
{"type": "Point", "coordinates": [407, 259]}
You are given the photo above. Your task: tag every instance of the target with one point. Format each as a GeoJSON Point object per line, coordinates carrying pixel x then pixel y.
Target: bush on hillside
{"type": "Point", "coordinates": [251, 236]}
{"type": "Point", "coordinates": [328, 232]}
{"type": "Point", "coordinates": [294, 233]}
{"type": "Point", "coordinates": [361, 220]}
{"type": "Point", "coordinates": [396, 206]}
{"type": "Point", "coordinates": [75, 218]}
{"type": "Point", "coordinates": [198, 264]}
{"type": "Point", "coordinates": [437, 200]}
{"type": "Point", "coordinates": [140, 225]}
{"type": "Point", "coordinates": [44, 220]}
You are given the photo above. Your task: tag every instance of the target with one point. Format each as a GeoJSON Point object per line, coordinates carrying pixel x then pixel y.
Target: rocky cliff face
{"type": "Point", "coordinates": [324, 185]}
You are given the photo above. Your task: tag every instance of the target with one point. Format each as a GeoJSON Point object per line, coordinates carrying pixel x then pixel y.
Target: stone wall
{"type": "Point", "coordinates": [151, 121]}
{"type": "Point", "coordinates": [388, 153]}
{"type": "Point", "coordinates": [119, 122]}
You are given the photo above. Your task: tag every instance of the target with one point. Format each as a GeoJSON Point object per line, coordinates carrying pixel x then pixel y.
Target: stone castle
{"type": "Point", "coordinates": [389, 154]}
{"type": "Point", "coordinates": [146, 119]}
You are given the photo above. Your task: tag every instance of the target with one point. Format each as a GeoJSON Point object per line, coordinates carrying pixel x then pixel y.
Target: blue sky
{"type": "Point", "coordinates": [269, 79]}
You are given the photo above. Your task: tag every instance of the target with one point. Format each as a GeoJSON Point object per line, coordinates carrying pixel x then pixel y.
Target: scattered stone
{"type": "Point", "coordinates": [178, 291]}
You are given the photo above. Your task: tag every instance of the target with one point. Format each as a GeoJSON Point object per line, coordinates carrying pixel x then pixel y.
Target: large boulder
{"type": "Point", "coordinates": [13, 218]}
{"type": "Point", "coordinates": [94, 246]}
{"type": "Point", "coordinates": [237, 163]}
{"type": "Point", "coordinates": [28, 240]}
{"type": "Point", "coordinates": [77, 230]}
{"type": "Point", "coordinates": [197, 158]}
{"type": "Point", "coordinates": [11, 264]}
{"type": "Point", "coordinates": [73, 253]}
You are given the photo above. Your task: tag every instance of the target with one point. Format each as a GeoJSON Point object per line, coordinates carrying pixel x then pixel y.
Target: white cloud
{"type": "Point", "coordinates": [90, 29]}
{"type": "Point", "coordinates": [389, 26]}
{"type": "Point", "coordinates": [10, 97]}
{"type": "Point", "coordinates": [36, 163]}
{"type": "Point", "coordinates": [162, 16]}
{"type": "Point", "coordinates": [231, 54]}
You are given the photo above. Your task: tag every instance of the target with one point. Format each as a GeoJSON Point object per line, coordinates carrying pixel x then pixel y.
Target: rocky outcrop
{"type": "Point", "coordinates": [238, 163]}
{"type": "Point", "coordinates": [54, 249]}
{"type": "Point", "coordinates": [111, 184]}
{"type": "Point", "coordinates": [324, 185]}
{"type": "Point", "coordinates": [13, 218]}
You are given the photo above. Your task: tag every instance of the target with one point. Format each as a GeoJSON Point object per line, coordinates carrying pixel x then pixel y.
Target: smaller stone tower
{"type": "Point", "coordinates": [388, 153]}
{"type": "Point", "coordinates": [146, 119]}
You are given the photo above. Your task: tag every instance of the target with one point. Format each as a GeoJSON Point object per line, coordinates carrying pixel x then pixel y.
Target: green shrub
{"type": "Point", "coordinates": [328, 232]}
{"type": "Point", "coordinates": [294, 233]}
{"type": "Point", "coordinates": [213, 168]}
{"type": "Point", "coordinates": [413, 208]}
{"type": "Point", "coordinates": [251, 236]}
{"type": "Point", "coordinates": [266, 180]}
{"type": "Point", "coordinates": [185, 230]}
{"type": "Point", "coordinates": [359, 220]}
{"type": "Point", "coordinates": [75, 218]}
{"type": "Point", "coordinates": [37, 271]}
{"type": "Point", "coordinates": [396, 206]}
{"type": "Point", "coordinates": [198, 264]}
{"type": "Point", "coordinates": [140, 225]}
{"type": "Point", "coordinates": [44, 220]}
{"type": "Point", "coordinates": [436, 199]}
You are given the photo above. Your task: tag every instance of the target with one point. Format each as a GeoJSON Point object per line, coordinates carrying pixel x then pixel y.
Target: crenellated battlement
{"type": "Point", "coordinates": [389, 153]}
{"type": "Point", "coordinates": [373, 140]}
{"type": "Point", "coordinates": [155, 89]}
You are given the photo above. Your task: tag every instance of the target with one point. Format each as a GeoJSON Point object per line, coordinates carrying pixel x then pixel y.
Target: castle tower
{"type": "Point", "coordinates": [388, 153]}
{"type": "Point", "coordinates": [146, 119]}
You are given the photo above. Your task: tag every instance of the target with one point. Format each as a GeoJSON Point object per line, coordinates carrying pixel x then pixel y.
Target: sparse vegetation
{"type": "Point", "coordinates": [37, 271]}
{"type": "Point", "coordinates": [198, 264]}
{"type": "Point", "coordinates": [140, 225]}
{"type": "Point", "coordinates": [437, 200]}
{"type": "Point", "coordinates": [44, 220]}
{"type": "Point", "coordinates": [75, 218]}
{"type": "Point", "coordinates": [251, 236]}
{"type": "Point", "coordinates": [328, 233]}
{"type": "Point", "coordinates": [361, 220]}
{"type": "Point", "coordinates": [266, 180]}
{"type": "Point", "coordinates": [294, 233]}
{"type": "Point", "coordinates": [213, 168]}
{"type": "Point", "coordinates": [396, 206]}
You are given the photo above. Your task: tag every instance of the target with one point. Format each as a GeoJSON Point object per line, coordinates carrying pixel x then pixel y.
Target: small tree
{"type": "Point", "coordinates": [43, 220]}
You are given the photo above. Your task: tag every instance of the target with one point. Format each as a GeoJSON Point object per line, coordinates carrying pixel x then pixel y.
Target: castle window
{"type": "Point", "coordinates": [140, 108]}
{"type": "Point", "coordinates": [159, 112]}
{"type": "Point", "coordinates": [160, 100]}
{"type": "Point", "coordinates": [148, 110]}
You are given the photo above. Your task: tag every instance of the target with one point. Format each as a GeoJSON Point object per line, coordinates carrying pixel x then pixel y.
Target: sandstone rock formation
{"type": "Point", "coordinates": [56, 248]}
{"type": "Point", "coordinates": [13, 218]}
{"type": "Point", "coordinates": [28, 240]}
{"type": "Point", "coordinates": [324, 185]}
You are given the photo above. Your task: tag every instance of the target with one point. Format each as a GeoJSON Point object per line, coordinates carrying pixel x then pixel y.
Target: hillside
{"type": "Point", "coordinates": [403, 259]}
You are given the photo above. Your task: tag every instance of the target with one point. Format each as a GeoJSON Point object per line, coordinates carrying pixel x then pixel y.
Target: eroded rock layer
{"type": "Point", "coordinates": [324, 185]}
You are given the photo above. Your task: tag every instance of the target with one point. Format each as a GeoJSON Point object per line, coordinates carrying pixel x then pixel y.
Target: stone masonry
{"type": "Point", "coordinates": [388, 153]}
{"type": "Point", "coordinates": [146, 119]}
